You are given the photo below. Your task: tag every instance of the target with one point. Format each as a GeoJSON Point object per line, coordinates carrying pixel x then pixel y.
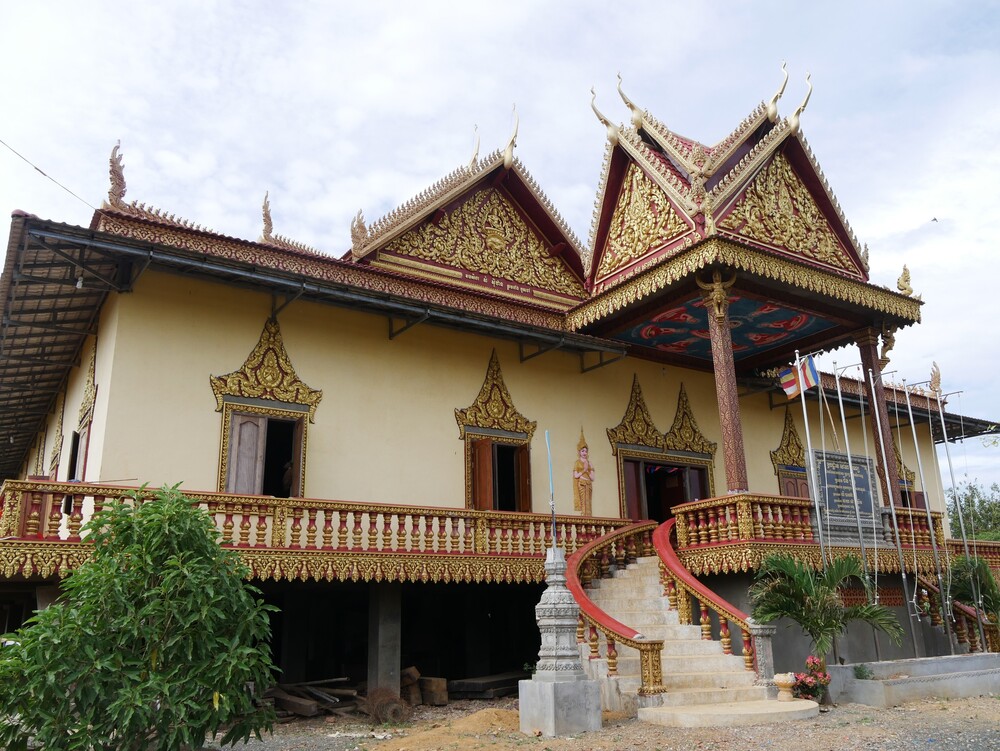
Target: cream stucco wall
{"type": "Point", "coordinates": [385, 430]}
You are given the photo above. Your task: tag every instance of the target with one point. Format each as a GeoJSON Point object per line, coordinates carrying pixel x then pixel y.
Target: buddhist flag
{"type": "Point", "coordinates": [789, 382]}
{"type": "Point", "coordinates": [810, 376]}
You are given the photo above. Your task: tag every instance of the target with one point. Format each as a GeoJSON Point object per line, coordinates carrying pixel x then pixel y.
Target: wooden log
{"type": "Point", "coordinates": [408, 676]}
{"type": "Point", "coordinates": [434, 691]}
{"type": "Point", "coordinates": [295, 704]}
{"type": "Point", "coordinates": [411, 694]}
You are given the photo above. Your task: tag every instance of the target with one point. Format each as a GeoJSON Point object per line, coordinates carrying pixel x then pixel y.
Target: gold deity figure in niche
{"type": "Point", "coordinates": [583, 478]}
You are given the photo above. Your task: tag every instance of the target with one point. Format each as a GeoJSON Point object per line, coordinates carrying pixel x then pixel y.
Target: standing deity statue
{"type": "Point", "coordinates": [583, 478]}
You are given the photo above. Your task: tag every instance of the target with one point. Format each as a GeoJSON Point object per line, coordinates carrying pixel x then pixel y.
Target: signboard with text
{"type": "Point", "coordinates": [833, 474]}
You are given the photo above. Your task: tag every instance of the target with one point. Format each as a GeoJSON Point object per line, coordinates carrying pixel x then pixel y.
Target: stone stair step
{"type": "Point", "coordinates": [729, 714]}
{"type": "Point", "coordinates": [692, 680]}
{"type": "Point", "coordinates": [687, 697]}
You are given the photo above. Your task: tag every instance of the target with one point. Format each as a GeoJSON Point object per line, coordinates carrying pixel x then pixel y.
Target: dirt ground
{"type": "Point", "coordinates": [944, 725]}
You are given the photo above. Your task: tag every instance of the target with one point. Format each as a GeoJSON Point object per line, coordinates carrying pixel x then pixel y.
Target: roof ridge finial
{"type": "Point", "coordinates": [772, 106]}
{"type": "Point", "coordinates": [508, 153]}
{"type": "Point", "coordinates": [266, 212]}
{"type": "Point", "coordinates": [793, 122]}
{"type": "Point", "coordinates": [637, 115]}
{"type": "Point", "coordinates": [116, 192]}
{"type": "Point", "coordinates": [475, 149]}
{"type": "Point", "coordinates": [613, 131]}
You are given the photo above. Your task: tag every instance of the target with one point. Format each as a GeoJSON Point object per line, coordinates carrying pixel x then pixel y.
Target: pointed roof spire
{"type": "Point", "coordinates": [475, 150]}
{"type": "Point", "coordinates": [613, 131]}
{"type": "Point", "coordinates": [793, 121]}
{"type": "Point", "coordinates": [266, 212]}
{"type": "Point", "coordinates": [508, 153]}
{"type": "Point", "coordinates": [772, 106]}
{"type": "Point", "coordinates": [637, 114]}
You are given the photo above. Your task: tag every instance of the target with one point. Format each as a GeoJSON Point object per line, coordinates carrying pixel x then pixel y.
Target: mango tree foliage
{"type": "Point", "coordinates": [155, 642]}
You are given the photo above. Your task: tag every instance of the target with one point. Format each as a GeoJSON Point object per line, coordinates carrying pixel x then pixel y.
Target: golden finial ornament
{"type": "Point", "coordinates": [359, 232]}
{"type": "Point", "coordinates": [613, 131]}
{"type": "Point", "coordinates": [936, 379]}
{"type": "Point", "coordinates": [637, 113]}
{"type": "Point", "coordinates": [865, 257]}
{"type": "Point", "coordinates": [772, 106]}
{"type": "Point", "coordinates": [903, 283]}
{"type": "Point", "coordinates": [508, 153]}
{"type": "Point", "coordinates": [793, 121]}
{"type": "Point", "coordinates": [475, 150]}
{"type": "Point", "coordinates": [116, 193]}
{"type": "Point", "coordinates": [266, 212]}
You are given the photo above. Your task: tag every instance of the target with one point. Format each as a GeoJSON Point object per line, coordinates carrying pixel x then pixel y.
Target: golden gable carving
{"type": "Point", "coordinates": [684, 434]}
{"type": "Point", "coordinates": [643, 220]}
{"type": "Point", "coordinates": [493, 408]}
{"type": "Point", "coordinates": [789, 452]}
{"type": "Point", "coordinates": [636, 427]}
{"type": "Point", "coordinates": [777, 209]}
{"type": "Point", "coordinates": [267, 374]}
{"type": "Point", "coordinates": [89, 392]}
{"type": "Point", "coordinates": [487, 234]}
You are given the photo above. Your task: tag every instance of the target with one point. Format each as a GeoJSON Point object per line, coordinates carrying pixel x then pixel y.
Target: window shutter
{"type": "Point", "coordinates": [522, 466]}
{"type": "Point", "coordinates": [246, 454]}
{"type": "Point", "coordinates": [482, 474]}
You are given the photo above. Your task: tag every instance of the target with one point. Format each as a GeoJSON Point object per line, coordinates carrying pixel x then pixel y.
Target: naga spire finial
{"type": "Point", "coordinates": [613, 132]}
{"type": "Point", "coordinates": [508, 153]}
{"type": "Point", "coordinates": [793, 123]}
{"type": "Point", "coordinates": [475, 149]}
{"type": "Point", "coordinates": [935, 379]}
{"type": "Point", "coordinates": [266, 213]}
{"type": "Point", "coordinates": [772, 106]}
{"type": "Point", "coordinates": [636, 112]}
{"type": "Point", "coordinates": [116, 193]}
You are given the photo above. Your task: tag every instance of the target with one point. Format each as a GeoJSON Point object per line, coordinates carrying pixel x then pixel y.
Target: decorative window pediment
{"type": "Point", "coordinates": [906, 475]}
{"type": "Point", "coordinates": [267, 374]}
{"type": "Point", "coordinates": [789, 452]}
{"type": "Point", "coordinates": [684, 434]}
{"type": "Point", "coordinates": [636, 427]}
{"type": "Point", "coordinates": [493, 409]}
{"type": "Point", "coordinates": [89, 392]}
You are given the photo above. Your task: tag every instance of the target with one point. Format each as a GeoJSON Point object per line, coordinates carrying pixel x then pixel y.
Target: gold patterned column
{"type": "Point", "coordinates": [716, 297]}
{"type": "Point", "coordinates": [868, 345]}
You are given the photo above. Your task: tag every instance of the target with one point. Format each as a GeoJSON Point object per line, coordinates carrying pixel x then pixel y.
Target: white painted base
{"type": "Point", "coordinates": [559, 708]}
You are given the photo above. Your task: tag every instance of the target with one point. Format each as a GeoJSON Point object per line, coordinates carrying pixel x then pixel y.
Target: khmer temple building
{"type": "Point", "coordinates": [391, 436]}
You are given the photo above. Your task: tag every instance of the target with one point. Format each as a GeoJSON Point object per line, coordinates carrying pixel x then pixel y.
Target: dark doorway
{"type": "Point", "coordinates": [653, 488]}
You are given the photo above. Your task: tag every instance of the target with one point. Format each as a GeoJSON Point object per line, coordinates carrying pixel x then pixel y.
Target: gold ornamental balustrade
{"type": "Point", "coordinates": [288, 538]}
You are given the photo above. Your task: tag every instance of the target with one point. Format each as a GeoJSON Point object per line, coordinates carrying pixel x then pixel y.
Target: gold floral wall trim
{"type": "Point", "coordinates": [89, 391]}
{"type": "Point", "coordinates": [494, 408]}
{"type": "Point", "coordinates": [57, 440]}
{"type": "Point", "coordinates": [906, 475]}
{"type": "Point", "coordinates": [487, 235]}
{"type": "Point", "coordinates": [643, 220]}
{"type": "Point", "coordinates": [684, 434]}
{"type": "Point", "coordinates": [636, 427]}
{"type": "Point", "coordinates": [778, 209]}
{"type": "Point", "coordinates": [267, 374]}
{"type": "Point", "coordinates": [789, 452]}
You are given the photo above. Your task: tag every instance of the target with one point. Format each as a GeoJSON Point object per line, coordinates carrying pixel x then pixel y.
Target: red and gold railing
{"type": "Point", "coordinates": [593, 561]}
{"type": "Point", "coordinates": [914, 529]}
{"type": "Point", "coordinates": [686, 595]}
{"type": "Point", "coordinates": [743, 517]}
{"type": "Point", "coordinates": [965, 619]}
{"type": "Point", "coordinates": [370, 534]}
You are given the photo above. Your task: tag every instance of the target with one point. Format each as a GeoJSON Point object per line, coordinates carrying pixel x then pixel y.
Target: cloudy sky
{"type": "Point", "coordinates": [337, 106]}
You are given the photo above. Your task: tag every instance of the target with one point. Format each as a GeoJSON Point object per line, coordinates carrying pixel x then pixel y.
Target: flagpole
{"type": "Point", "coordinates": [961, 517]}
{"type": "Point", "coordinates": [854, 495]}
{"type": "Point", "coordinates": [810, 462]}
{"type": "Point", "coordinates": [552, 493]}
{"type": "Point", "coordinates": [876, 507]}
{"type": "Point", "coordinates": [945, 605]}
{"type": "Point", "coordinates": [892, 507]}
{"type": "Point", "coordinates": [850, 469]}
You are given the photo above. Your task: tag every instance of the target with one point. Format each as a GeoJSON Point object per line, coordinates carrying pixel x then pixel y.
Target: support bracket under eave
{"type": "Point", "coordinates": [539, 349]}
{"type": "Point", "coordinates": [408, 323]}
{"type": "Point", "coordinates": [289, 299]}
{"type": "Point", "coordinates": [601, 360]}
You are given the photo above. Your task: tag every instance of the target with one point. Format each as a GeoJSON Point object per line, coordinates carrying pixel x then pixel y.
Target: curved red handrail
{"type": "Point", "coordinates": [665, 549]}
{"type": "Point", "coordinates": [575, 586]}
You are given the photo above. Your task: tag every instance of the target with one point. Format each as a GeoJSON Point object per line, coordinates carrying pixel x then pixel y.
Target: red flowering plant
{"type": "Point", "coordinates": [812, 683]}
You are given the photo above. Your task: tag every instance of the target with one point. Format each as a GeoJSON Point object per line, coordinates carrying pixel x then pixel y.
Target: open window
{"type": "Point", "coordinates": [265, 453]}
{"type": "Point", "coordinates": [501, 474]}
{"type": "Point", "coordinates": [652, 484]}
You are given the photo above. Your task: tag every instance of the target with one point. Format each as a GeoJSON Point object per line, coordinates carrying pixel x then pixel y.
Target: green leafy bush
{"type": "Point", "coordinates": [155, 642]}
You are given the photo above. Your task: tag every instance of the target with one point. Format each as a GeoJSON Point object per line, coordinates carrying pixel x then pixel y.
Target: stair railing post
{"type": "Point", "coordinates": [764, 656]}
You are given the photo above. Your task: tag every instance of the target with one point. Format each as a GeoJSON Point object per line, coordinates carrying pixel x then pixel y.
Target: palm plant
{"type": "Point", "coordinates": [787, 588]}
{"type": "Point", "coordinates": [973, 584]}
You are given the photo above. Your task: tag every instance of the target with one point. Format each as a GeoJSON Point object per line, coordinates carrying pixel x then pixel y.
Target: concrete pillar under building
{"type": "Point", "coordinates": [384, 635]}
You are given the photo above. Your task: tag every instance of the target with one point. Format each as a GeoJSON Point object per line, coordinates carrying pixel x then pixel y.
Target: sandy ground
{"type": "Point", "coordinates": [943, 725]}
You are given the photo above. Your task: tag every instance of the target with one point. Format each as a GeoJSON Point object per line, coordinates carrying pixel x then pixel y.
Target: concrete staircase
{"type": "Point", "coordinates": [705, 688]}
